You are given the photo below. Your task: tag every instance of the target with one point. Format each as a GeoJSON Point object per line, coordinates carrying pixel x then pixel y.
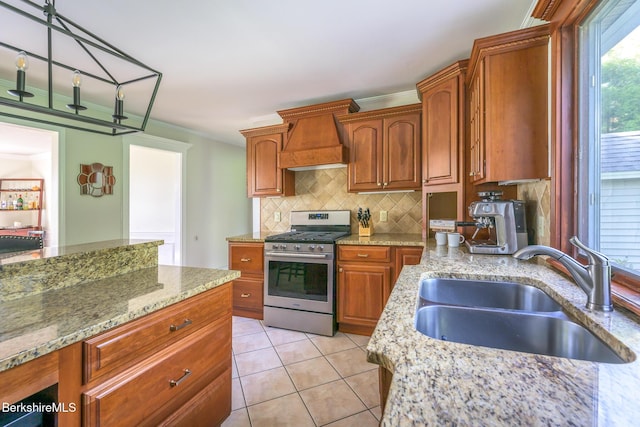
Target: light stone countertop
{"type": "Point", "coordinates": [40, 323]}
{"type": "Point", "coordinates": [446, 383]}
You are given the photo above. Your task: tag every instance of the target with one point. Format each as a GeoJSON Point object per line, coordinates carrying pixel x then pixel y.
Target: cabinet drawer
{"type": "Point", "coordinates": [247, 257]}
{"type": "Point", "coordinates": [248, 294]}
{"type": "Point", "coordinates": [122, 346]}
{"type": "Point", "coordinates": [364, 253]}
{"type": "Point", "coordinates": [150, 392]}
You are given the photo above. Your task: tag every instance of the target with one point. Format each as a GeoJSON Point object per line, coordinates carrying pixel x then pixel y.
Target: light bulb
{"type": "Point", "coordinates": [120, 93]}
{"type": "Point", "coordinates": [76, 80]}
{"type": "Point", "coordinates": [22, 62]}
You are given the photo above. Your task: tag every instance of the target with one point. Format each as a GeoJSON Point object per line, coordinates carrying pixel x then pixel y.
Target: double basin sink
{"type": "Point", "coordinates": [504, 315]}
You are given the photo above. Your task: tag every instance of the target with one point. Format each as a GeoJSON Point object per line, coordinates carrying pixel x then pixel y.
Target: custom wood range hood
{"type": "Point", "coordinates": [315, 136]}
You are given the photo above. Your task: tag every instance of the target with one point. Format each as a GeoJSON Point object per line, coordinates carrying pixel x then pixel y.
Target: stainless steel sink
{"type": "Point", "coordinates": [551, 334]}
{"type": "Point", "coordinates": [482, 293]}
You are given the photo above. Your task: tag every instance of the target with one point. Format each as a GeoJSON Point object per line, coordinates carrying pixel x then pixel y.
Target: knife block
{"type": "Point", "coordinates": [365, 231]}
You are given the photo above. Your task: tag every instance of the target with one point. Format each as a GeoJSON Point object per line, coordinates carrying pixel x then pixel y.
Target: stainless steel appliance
{"type": "Point", "coordinates": [299, 271]}
{"type": "Point", "coordinates": [504, 224]}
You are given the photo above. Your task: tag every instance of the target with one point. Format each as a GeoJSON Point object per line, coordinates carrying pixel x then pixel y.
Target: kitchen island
{"type": "Point", "coordinates": [438, 382]}
{"type": "Point", "coordinates": [55, 301]}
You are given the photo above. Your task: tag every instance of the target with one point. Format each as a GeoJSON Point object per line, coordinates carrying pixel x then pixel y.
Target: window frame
{"type": "Point", "coordinates": [565, 17]}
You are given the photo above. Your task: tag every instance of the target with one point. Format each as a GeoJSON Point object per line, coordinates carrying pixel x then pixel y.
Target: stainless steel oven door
{"type": "Point", "coordinates": [299, 281]}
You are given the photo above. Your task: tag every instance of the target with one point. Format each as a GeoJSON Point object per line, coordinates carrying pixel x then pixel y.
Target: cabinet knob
{"type": "Point", "coordinates": [424, 181]}
{"type": "Point", "coordinates": [245, 259]}
{"type": "Point", "coordinates": [385, 184]}
{"type": "Point", "coordinates": [379, 184]}
{"type": "Point", "coordinates": [472, 174]}
{"type": "Point", "coordinates": [363, 255]}
{"type": "Point", "coordinates": [245, 295]}
{"type": "Point", "coordinates": [340, 269]}
{"type": "Point", "coordinates": [278, 190]}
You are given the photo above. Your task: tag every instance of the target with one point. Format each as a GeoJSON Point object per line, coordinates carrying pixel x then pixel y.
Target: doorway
{"type": "Point", "coordinates": [155, 194]}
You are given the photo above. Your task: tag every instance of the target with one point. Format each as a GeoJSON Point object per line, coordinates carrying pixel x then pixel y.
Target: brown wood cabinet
{"type": "Point", "coordinates": [264, 176]}
{"type": "Point", "coordinates": [508, 106]}
{"type": "Point", "coordinates": [365, 279]}
{"type": "Point", "coordinates": [443, 124]}
{"type": "Point", "coordinates": [384, 149]}
{"type": "Point", "coordinates": [147, 380]}
{"type": "Point", "coordinates": [248, 290]}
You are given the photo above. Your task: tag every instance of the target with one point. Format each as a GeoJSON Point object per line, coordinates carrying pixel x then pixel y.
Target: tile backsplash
{"type": "Point", "coordinates": [537, 198]}
{"type": "Point", "coordinates": [326, 189]}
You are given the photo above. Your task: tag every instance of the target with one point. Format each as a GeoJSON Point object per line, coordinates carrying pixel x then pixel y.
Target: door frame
{"type": "Point", "coordinates": [165, 144]}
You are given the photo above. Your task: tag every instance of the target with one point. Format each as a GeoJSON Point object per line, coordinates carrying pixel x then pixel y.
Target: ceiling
{"type": "Point", "coordinates": [230, 65]}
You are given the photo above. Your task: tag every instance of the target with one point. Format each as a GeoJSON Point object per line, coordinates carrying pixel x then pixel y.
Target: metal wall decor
{"type": "Point", "coordinates": [96, 179]}
{"type": "Point", "coordinates": [103, 72]}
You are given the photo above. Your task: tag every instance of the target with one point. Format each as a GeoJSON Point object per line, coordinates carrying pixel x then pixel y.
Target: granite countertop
{"type": "Point", "coordinates": [40, 323]}
{"type": "Point", "coordinates": [447, 383]}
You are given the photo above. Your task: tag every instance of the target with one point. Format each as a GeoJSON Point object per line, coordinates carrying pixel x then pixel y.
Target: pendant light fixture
{"type": "Point", "coordinates": [86, 60]}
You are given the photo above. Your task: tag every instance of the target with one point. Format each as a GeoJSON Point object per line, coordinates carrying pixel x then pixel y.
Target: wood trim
{"type": "Point", "coordinates": [457, 68]}
{"type": "Point", "coordinates": [266, 130]}
{"type": "Point", "coordinates": [320, 109]}
{"type": "Point", "coordinates": [381, 113]}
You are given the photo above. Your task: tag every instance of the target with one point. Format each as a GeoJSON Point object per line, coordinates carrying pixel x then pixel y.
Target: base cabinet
{"type": "Point", "coordinates": [183, 380]}
{"type": "Point", "coordinates": [248, 290]}
{"type": "Point", "coordinates": [365, 279]}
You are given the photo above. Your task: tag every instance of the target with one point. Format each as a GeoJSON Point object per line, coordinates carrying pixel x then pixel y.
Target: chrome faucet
{"type": "Point", "coordinates": [594, 278]}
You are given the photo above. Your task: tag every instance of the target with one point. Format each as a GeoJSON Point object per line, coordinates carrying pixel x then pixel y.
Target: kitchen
{"type": "Point", "coordinates": [533, 191]}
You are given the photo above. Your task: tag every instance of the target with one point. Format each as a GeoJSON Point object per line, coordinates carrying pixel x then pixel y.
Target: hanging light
{"type": "Point", "coordinates": [76, 82]}
{"type": "Point", "coordinates": [22, 63]}
{"type": "Point", "coordinates": [118, 115]}
{"type": "Point", "coordinates": [98, 62]}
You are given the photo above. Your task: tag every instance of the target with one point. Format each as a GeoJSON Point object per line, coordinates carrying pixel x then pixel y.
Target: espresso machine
{"type": "Point", "coordinates": [501, 226]}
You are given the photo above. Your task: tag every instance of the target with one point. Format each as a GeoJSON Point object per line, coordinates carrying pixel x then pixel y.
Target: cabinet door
{"type": "Point", "coordinates": [476, 126]}
{"type": "Point", "coordinates": [401, 158]}
{"type": "Point", "coordinates": [365, 151]}
{"type": "Point", "coordinates": [264, 178]}
{"type": "Point", "coordinates": [409, 255]}
{"type": "Point", "coordinates": [362, 292]}
{"type": "Point", "coordinates": [441, 137]}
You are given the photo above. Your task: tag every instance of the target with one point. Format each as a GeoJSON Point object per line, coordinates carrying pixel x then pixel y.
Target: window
{"type": "Point", "coordinates": [608, 166]}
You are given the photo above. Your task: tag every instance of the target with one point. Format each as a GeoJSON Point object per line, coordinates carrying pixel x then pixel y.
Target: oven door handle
{"type": "Point", "coordinates": [296, 255]}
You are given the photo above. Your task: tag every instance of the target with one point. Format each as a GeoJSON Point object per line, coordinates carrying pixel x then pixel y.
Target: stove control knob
{"type": "Point", "coordinates": [274, 246]}
{"type": "Point", "coordinates": [320, 248]}
{"type": "Point", "coordinates": [296, 247]}
{"type": "Point", "coordinates": [312, 247]}
{"type": "Point", "coordinates": [283, 246]}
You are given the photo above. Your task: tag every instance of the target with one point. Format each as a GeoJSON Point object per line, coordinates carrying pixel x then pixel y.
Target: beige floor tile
{"type": "Point", "coordinates": [256, 361]}
{"type": "Point", "coordinates": [286, 411]}
{"type": "Point", "coordinates": [328, 345]}
{"type": "Point", "coordinates": [251, 342]}
{"type": "Point", "coordinates": [361, 419]}
{"type": "Point", "coordinates": [266, 385]}
{"type": "Point", "coordinates": [298, 351]}
{"type": "Point", "coordinates": [331, 402]}
{"type": "Point", "coordinates": [377, 412]}
{"type": "Point", "coordinates": [234, 367]}
{"type": "Point", "coordinates": [311, 373]}
{"type": "Point", "coordinates": [283, 336]}
{"type": "Point", "coordinates": [246, 327]}
{"type": "Point", "coordinates": [237, 418]}
{"type": "Point", "coordinates": [365, 385]}
{"type": "Point", "coordinates": [350, 362]}
{"type": "Point", "coordinates": [360, 340]}
{"type": "Point", "coordinates": [237, 397]}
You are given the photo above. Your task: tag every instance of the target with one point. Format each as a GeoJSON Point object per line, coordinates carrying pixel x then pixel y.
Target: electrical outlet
{"type": "Point", "coordinates": [277, 217]}
{"type": "Point", "coordinates": [384, 216]}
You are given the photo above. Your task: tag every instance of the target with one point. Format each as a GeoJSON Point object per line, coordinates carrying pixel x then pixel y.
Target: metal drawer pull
{"type": "Point", "coordinates": [245, 259]}
{"type": "Point", "coordinates": [363, 255]}
{"type": "Point", "coordinates": [184, 324]}
{"type": "Point", "coordinates": [245, 295]}
{"type": "Point", "coordinates": [175, 383]}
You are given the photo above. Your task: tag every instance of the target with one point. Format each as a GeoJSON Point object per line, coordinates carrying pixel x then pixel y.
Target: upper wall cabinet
{"type": "Point", "coordinates": [384, 149]}
{"type": "Point", "coordinates": [264, 177]}
{"type": "Point", "coordinates": [507, 82]}
{"type": "Point", "coordinates": [443, 106]}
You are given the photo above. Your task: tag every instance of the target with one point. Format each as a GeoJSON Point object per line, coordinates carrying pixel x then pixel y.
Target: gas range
{"type": "Point", "coordinates": [311, 231]}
